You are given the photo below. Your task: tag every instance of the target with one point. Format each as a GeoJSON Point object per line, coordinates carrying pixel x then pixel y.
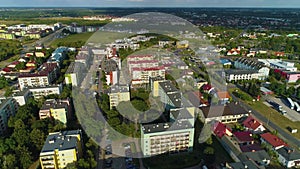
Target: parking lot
{"type": "Point", "coordinates": [113, 161]}
{"type": "Point", "coordinates": [290, 114]}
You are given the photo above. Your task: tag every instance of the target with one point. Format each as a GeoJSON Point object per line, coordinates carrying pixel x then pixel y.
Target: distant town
{"type": "Point", "coordinates": [71, 85]}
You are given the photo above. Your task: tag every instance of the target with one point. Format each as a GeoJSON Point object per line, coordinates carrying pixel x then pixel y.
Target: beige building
{"type": "Point", "coordinates": [117, 94]}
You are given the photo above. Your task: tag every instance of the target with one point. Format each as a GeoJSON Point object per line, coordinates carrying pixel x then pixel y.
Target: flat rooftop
{"type": "Point", "coordinates": [61, 141]}
{"type": "Point", "coordinates": [119, 89]}
{"type": "Point", "coordinates": [168, 86]}
{"type": "Point", "coordinates": [162, 127]}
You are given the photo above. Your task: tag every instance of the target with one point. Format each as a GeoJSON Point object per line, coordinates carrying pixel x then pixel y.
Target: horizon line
{"type": "Point", "coordinates": [237, 7]}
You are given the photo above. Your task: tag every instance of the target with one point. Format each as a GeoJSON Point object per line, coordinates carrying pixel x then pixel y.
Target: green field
{"type": "Point", "coordinates": [75, 40]}
{"type": "Point", "coordinates": [273, 115]}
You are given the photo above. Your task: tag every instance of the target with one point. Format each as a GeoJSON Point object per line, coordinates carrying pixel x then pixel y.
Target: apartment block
{"type": "Point", "coordinates": [38, 92]}
{"type": "Point", "coordinates": [142, 75]}
{"type": "Point", "coordinates": [117, 94]}
{"type": "Point", "coordinates": [251, 64]}
{"type": "Point", "coordinates": [61, 149]}
{"type": "Point", "coordinates": [59, 109]}
{"type": "Point", "coordinates": [167, 138]}
{"type": "Point", "coordinates": [8, 108]}
{"type": "Point", "coordinates": [235, 75]}
{"type": "Point", "coordinates": [45, 76]}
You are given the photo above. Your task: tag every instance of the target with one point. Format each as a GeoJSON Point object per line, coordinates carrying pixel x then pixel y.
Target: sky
{"type": "Point", "coordinates": [152, 3]}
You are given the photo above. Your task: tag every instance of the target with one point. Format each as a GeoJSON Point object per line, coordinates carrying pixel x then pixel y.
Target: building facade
{"type": "Point", "coordinates": [47, 74]}
{"type": "Point", "coordinates": [167, 138]}
{"type": "Point", "coordinates": [8, 108]}
{"type": "Point", "coordinates": [250, 64]}
{"type": "Point", "coordinates": [117, 94]}
{"type": "Point", "coordinates": [59, 109]}
{"type": "Point", "coordinates": [61, 149]}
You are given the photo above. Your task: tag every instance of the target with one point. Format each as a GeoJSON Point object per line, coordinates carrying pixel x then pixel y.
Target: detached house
{"type": "Point", "coordinates": [221, 129]}
{"type": "Point", "coordinates": [272, 140]}
{"type": "Point", "coordinates": [253, 125]}
{"type": "Point", "coordinates": [288, 157]}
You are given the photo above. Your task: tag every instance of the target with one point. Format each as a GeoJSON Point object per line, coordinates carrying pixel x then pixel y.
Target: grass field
{"type": "Point", "coordinates": [276, 118]}
{"type": "Point", "coordinates": [7, 61]}
{"type": "Point", "coordinates": [83, 37]}
{"type": "Point", "coordinates": [274, 115]}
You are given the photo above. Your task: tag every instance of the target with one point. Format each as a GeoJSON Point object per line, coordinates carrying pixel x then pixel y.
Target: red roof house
{"type": "Point", "coordinates": [254, 125]}
{"type": "Point", "coordinates": [221, 129]}
{"type": "Point", "coordinates": [272, 140]}
{"type": "Point", "coordinates": [244, 137]}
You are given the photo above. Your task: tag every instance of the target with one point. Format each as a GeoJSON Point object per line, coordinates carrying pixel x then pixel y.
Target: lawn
{"type": "Point", "coordinates": [276, 118]}
{"type": "Point", "coordinates": [72, 39]}
{"type": "Point", "coordinates": [183, 160]}
{"type": "Point", "coordinates": [274, 115]}
{"type": "Point", "coordinates": [7, 61]}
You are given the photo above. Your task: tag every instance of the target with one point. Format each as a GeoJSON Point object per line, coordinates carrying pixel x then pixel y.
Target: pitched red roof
{"type": "Point", "coordinates": [206, 87]}
{"type": "Point", "coordinates": [243, 136]}
{"type": "Point", "coordinates": [273, 140]}
{"type": "Point", "coordinates": [251, 123]}
{"type": "Point", "coordinates": [220, 129]}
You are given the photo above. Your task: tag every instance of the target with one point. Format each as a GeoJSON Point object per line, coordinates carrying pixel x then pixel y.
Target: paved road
{"type": "Point", "coordinates": [290, 139]}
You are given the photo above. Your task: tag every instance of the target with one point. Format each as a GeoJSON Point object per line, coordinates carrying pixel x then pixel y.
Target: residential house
{"type": "Point", "coordinates": [154, 84]}
{"type": "Point", "coordinates": [38, 92]}
{"type": "Point", "coordinates": [244, 137]}
{"type": "Point", "coordinates": [253, 125]}
{"type": "Point", "coordinates": [223, 96]}
{"type": "Point", "coordinates": [233, 52]}
{"type": "Point", "coordinates": [22, 96]}
{"type": "Point", "coordinates": [261, 157]}
{"type": "Point", "coordinates": [272, 141]}
{"type": "Point", "coordinates": [220, 129]}
{"type": "Point", "coordinates": [46, 75]}
{"type": "Point", "coordinates": [288, 157]}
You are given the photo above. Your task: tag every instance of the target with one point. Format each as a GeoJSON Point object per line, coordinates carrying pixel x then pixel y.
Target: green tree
{"type": "Point", "coordinates": [37, 138]}
{"type": "Point", "coordinates": [9, 161]}
{"type": "Point", "coordinates": [3, 82]}
{"type": "Point", "coordinates": [209, 141]}
{"type": "Point", "coordinates": [24, 156]}
{"type": "Point", "coordinates": [209, 151]}
{"type": "Point", "coordinates": [20, 66]}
